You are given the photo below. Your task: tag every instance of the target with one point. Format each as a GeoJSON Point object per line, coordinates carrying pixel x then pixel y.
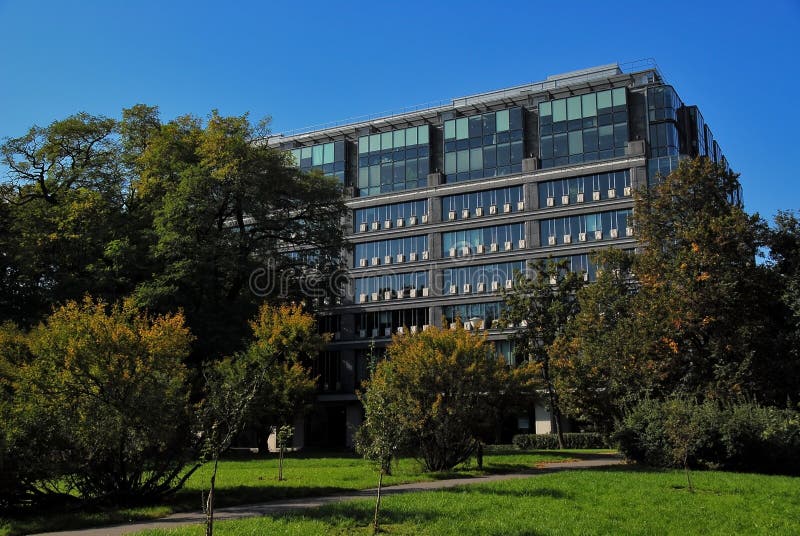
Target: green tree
{"type": "Point", "coordinates": [440, 384]}
{"type": "Point", "coordinates": [86, 386]}
{"type": "Point", "coordinates": [540, 307]}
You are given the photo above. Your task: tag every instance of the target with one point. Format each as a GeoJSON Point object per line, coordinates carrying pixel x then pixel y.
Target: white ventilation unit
{"type": "Point", "coordinates": [453, 325]}
{"type": "Point", "coordinates": [614, 233]}
{"type": "Point", "coordinates": [451, 215]}
{"type": "Point", "coordinates": [413, 329]}
{"type": "Point", "coordinates": [387, 295]}
{"type": "Point", "coordinates": [362, 227]}
{"type": "Point", "coordinates": [425, 255]}
{"type": "Point", "coordinates": [412, 257]}
{"type": "Point", "coordinates": [551, 240]}
{"type": "Point", "coordinates": [596, 196]}
{"type": "Point", "coordinates": [387, 224]}
{"type": "Point", "coordinates": [521, 243]}
{"type": "Point", "coordinates": [626, 191]}
{"type": "Point", "coordinates": [376, 225]}
{"type": "Point", "coordinates": [495, 286]}
{"type": "Point", "coordinates": [453, 289]}
{"type": "Point", "coordinates": [465, 213]}
{"type": "Point", "coordinates": [426, 327]}
{"type": "Point", "coordinates": [387, 259]}
{"type": "Point", "coordinates": [412, 293]}
{"type": "Point", "coordinates": [468, 326]}
{"type": "Point", "coordinates": [509, 284]}
{"type": "Point", "coordinates": [552, 280]}
{"type": "Point", "coordinates": [375, 296]}
{"type": "Point", "coordinates": [551, 201]}
{"type": "Point", "coordinates": [506, 208]}
{"type": "Point", "coordinates": [567, 238]}
{"type": "Point", "coordinates": [479, 211]}
{"type": "Point", "coordinates": [492, 209]}
{"type": "Point", "coordinates": [480, 248]}
{"type": "Point", "coordinates": [424, 218]}
{"type": "Point", "coordinates": [401, 257]}
{"type": "Point", "coordinates": [481, 287]}
{"type": "Point", "coordinates": [520, 205]}
{"type": "Point", "coordinates": [466, 250]}
{"type": "Point", "coordinates": [374, 332]}
{"type": "Point", "coordinates": [628, 231]}
{"type": "Point", "coordinates": [401, 222]}
{"type": "Point", "coordinates": [362, 298]}
{"type": "Point", "coordinates": [401, 330]}
{"type": "Point", "coordinates": [598, 235]}
{"type": "Point", "coordinates": [376, 261]}
{"type": "Point", "coordinates": [509, 246]}
{"type": "Point", "coordinates": [387, 332]}
{"type": "Point", "coordinates": [425, 292]}
{"type": "Point", "coordinates": [612, 193]}
{"type": "Point", "coordinates": [412, 220]}
{"type": "Point", "coordinates": [400, 294]}
{"type": "Point", "coordinates": [362, 262]}
{"type": "Point", "coordinates": [493, 247]}
{"type": "Point", "coordinates": [579, 198]}
{"type": "Point", "coordinates": [581, 237]}
{"type": "Point", "coordinates": [565, 200]}
{"type": "Point", "coordinates": [452, 252]}
{"type": "Point", "coordinates": [586, 276]}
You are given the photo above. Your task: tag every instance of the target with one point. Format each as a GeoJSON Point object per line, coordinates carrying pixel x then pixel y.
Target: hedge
{"type": "Point", "coordinates": [550, 441]}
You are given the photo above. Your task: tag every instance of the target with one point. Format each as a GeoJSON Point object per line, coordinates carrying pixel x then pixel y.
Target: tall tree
{"type": "Point", "coordinates": [539, 307]}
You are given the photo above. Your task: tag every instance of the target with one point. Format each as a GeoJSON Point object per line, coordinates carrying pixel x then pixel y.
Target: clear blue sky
{"type": "Point", "coordinates": [306, 63]}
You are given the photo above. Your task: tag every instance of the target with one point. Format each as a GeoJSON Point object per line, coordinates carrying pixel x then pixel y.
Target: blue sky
{"type": "Point", "coordinates": [306, 63]}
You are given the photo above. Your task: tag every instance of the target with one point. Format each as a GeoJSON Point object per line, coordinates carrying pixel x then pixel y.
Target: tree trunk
{"type": "Point", "coordinates": [280, 463]}
{"type": "Point", "coordinates": [554, 409]}
{"type": "Point", "coordinates": [686, 468]}
{"type": "Point", "coordinates": [210, 501]}
{"type": "Point", "coordinates": [377, 503]}
{"type": "Point", "coordinates": [479, 456]}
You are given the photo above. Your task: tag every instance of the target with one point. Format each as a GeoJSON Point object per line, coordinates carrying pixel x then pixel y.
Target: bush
{"type": "Point", "coordinates": [550, 441]}
{"type": "Point", "coordinates": [738, 437]}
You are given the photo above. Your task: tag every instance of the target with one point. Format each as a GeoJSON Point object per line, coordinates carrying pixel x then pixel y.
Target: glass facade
{"type": "Point", "coordinates": [486, 203]}
{"type": "Point", "coordinates": [580, 264]}
{"type": "Point", "coordinates": [392, 161]}
{"type": "Point", "coordinates": [327, 157]}
{"type": "Point", "coordinates": [327, 368]}
{"type": "Point", "coordinates": [411, 213]}
{"type": "Point", "coordinates": [484, 145]}
{"type": "Point", "coordinates": [479, 315]}
{"type": "Point", "coordinates": [583, 128]}
{"type": "Point", "coordinates": [585, 189]}
{"type": "Point", "coordinates": [384, 323]}
{"type": "Point", "coordinates": [663, 105]}
{"type": "Point", "coordinates": [398, 250]}
{"type": "Point", "coordinates": [481, 278]}
{"type": "Point", "coordinates": [586, 228]}
{"type": "Point", "coordinates": [486, 240]}
{"type": "Point", "coordinates": [389, 286]}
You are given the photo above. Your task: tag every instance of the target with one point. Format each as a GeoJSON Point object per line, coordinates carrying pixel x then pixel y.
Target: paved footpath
{"type": "Point", "coordinates": [275, 507]}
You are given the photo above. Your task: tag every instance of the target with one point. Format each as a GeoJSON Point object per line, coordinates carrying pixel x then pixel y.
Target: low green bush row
{"type": "Point", "coordinates": [736, 437]}
{"type": "Point", "coordinates": [550, 441]}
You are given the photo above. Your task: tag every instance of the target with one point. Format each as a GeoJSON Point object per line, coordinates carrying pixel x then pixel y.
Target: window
{"type": "Point", "coordinates": [585, 189]}
{"type": "Point", "coordinates": [393, 161]}
{"type": "Point", "coordinates": [490, 239]}
{"type": "Point", "coordinates": [411, 213]}
{"type": "Point", "coordinates": [326, 157]}
{"type": "Point", "coordinates": [609, 225]}
{"type": "Point", "coordinates": [486, 203]}
{"type": "Point", "coordinates": [375, 253]}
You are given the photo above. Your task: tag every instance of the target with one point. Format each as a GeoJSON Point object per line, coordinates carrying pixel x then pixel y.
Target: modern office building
{"type": "Point", "coordinates": [447, 201]}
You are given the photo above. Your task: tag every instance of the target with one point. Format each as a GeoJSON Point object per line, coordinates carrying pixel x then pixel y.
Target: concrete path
{"type": "Point", "coordinates": [275, 507]}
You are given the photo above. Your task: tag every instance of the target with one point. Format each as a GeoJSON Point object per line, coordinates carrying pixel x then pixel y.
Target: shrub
{"type": "Point", "coordinates": [550, 441]}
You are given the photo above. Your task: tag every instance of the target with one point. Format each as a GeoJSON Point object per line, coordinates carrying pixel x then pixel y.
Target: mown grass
{"type": "Point", "coordinates": [607, 501]}
{"type": "Point", "coordinates": [245, 481]}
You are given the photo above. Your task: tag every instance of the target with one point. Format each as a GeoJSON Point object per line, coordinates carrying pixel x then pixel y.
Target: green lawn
{"type": "Point", "coordinates": [255, 480]}
{"type": "Point", "coordinates": [607, 501]}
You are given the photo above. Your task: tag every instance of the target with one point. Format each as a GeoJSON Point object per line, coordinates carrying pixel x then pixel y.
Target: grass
{"type": "Point", "coordinates": [246, 481]}
{"type": "Point", "coordinates": [607, 501]}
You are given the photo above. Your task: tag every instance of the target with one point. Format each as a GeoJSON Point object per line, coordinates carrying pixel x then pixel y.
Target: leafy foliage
{"type": "Point", "coordinates": [586, 440]}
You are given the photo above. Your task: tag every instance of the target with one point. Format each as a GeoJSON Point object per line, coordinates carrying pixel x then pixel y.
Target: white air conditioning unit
{"type": "Point", "coordinates": [401, 257]}
{"type": "Point", "coordinates": [521, 243]}
{"type": "Point", "coordinates": [565, 200]}
{"type": "Point", "coordinates": [412, 293]}
{"type": "Point", "coordinates": [479, 211]}
{"type": "Point", "coordinates": [567, 238]}
{"type": "Point", "coordinates": [413, 329]}
{"type": "Point", "coordinates": [425, 292]}
{"type": "Point", "coordinates": [480, 248]}
{"type": "Point", "coordinates": [387, 259]}
{"type": "Point", "coordinates": [400, 294]}
{"type": "Point", "coordinates": [481, 287]}
{"type": "Point", "coordinates": [362, 262]}
{"type": "Point", "coordinates": [401, 222]}
{"type": "Point", "coordinates": [362, 333]}
{"type": "Point", "coordinates": [466, 250]}
{"type": "Point", "coordinates": [374, 332]}
{"type": "Point", "coordinates": [376, 261]}
{"type": "Point", "coordinates": [551, 201]}
{"type": "Point", "coordinates": [552, 280]}
{"type": "Point", "coordinates": [453, 325]}
{"type": "Point", "coordinates": [425, 255]}
{"type": "Point", "coordinates": [551, 240]}
{"type": "Point", "coordinates": [401, 330]}
{"type": "Point", "coordinates": [375, 296]}
{"type": "Point", "coordinates": [412, 257]}
{"type": "Point", "coordinates": [451, 216]}
{"type": "Point", "coordinates": [586, 276]}
{"type": "Point", "coordinates": [412, 220]}
{"type": "Point", "coordinates": [387, 224]}
{"type": "Point", "coordinates": [612, 193]}
{"type": "Point", "coordinates": [626, 191]}
{"type": "Point", "coordinates": [506, 208]}
{"type": "Point", "coordinates": [452, 252]}
{"type": "Point", "coordinates": [520, 205]}
{"type": "Point", "coordinates": [596, 196]}
{"type": "Point", "coordinates": [493, 247]}
{"type": "Point", "coordinates": [579, 197]}
{"type": "Point", "coordinates": [362, 227]}
{"type": "Point", "coordinates": [598, 235]}
{"type": "Point", "coordinates": [509, 284]}
{"type": "Point", "coordinates": [362, 298]}
{"type": "Point", "coordinates": [628, 231]}
{"type": "Point", "coordinates": [453, 289]}
{"type": "Point", "coordinates": [509, 246]}
{"type": "Point", "coordinates": [492, 209]}
{"type": "Point", "coordinates": [467, 288]}
{"type": "Point", "coordinates": [581, 237]}
{"type": "Point", "coordinates": [614, 233]}
{"type": "Point", "coordinates": [468, 326]}
{"type": "Point", "coordinates": [523, 324]}
{"type": "Point", "coordinates": [387, 332]}
{"type": "Point", "coordinates": [424, 218]}
{"type": "Point", "coordinates": [465, 213]}
{"type": "Point", "coordinates": [376, 225]}
{"type": "Point", "coordinates": [387, 295]}
{"type": "Point", "coordinates": [426, 327]}
{"type": "Point", "coordinates": [495, 286]}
